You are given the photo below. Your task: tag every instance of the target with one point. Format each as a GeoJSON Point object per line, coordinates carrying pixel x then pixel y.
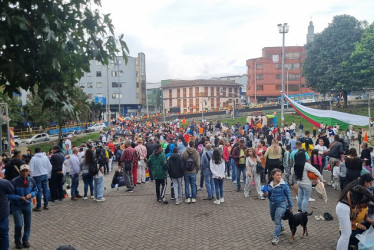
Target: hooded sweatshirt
{"type": "Point", "coordinates": [195, 156]}
{"type": "Point", "coordinates": [40, 165]}
{"type": "Point", "coordinates": [175, 166]}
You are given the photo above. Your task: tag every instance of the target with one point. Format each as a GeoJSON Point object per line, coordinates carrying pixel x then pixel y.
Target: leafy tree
{"type": "Point", "coordinates": [14, 108]}
{"type": "Point", "coordinates": [324, 67]}
{"type": "Point", "coordinates": [362, 58]}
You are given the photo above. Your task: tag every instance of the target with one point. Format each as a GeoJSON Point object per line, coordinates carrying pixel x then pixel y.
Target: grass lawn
{"type": "Point", "coordinates": [76, 141]}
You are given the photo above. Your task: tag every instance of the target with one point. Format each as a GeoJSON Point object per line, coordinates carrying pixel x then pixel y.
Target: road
{"type": "Point", "coordinates": [137, 221]}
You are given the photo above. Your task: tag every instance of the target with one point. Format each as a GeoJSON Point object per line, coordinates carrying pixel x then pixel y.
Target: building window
{"type": "Point", "coordinates": [259, 66]}
{"type": "Point", "coordinates": [184, 103]}
{"type": "Point", "coordinates": [89, 85]}
{"type": "Point", "coordinates": [179, 102]}
{"type": "Point", "coordinates": [218, 91]}
{"type": "Point", "coordinates": [82, 85]}
{"type": "Point", "coordinates": [89, 96]}
{"type": "Point", "coordinates": [292, 55]}
{"type": "Point", "coordinates": [278, 76]}
{"type": "Point", "coordinates": [212, 91]}
{"type": "Point", "coordinates": [293, 77]}
{"type": "Point", "coordinates": [293, 87]}
{"type": "Point", "coordinates": [170, 93]}
{"type": "Point", "coordinates": [197, 102]}
{"type": "Point", "coordinates": [206, 91]}
{"type": "Point", "coordinates": [278, 87]}
{"type": "Point", "coordinates": [278, 66]}
{"type": "Point", "coordinates": [99, 94]}
{"type": "Point", "coordinates": [267, 55]}
{"type": "Point", "coordinates": [303, 86]}
{"type": "Point", "coordinates": [99, 85]}
{"type": "Point", "coordinates": [98, 73]}
{"type": "Point", "coordinates": [260, 77]}
{"type": "Point", "coordinates": [116, 95]}
{"type": "Point", "coordinates": [212, 102]}
{"type": "Point", "coordinates": [115, 73]}
{"type": "Point", "coordinates": [184, 92]}
{"type": "Point", "coordinates": [190, 105]}
{"type": "Point", "coordinates": [224, 91]}
{"type": "Point", "coordinates": [178, 94]}
{"type": "Point", "coordinates": [218, 102]}
{"type": "Point", "coordinates": [116, 85]}
{"type": "Point", "coordinates": [190, 94]}
{"type": "Point", "coordinates": [196, 91]}
{"type": "Point", "coordinates": [260, 87]}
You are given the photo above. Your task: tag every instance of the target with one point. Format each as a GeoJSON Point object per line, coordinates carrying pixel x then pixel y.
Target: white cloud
{"type": "Point", "coordinates": [188, 39]}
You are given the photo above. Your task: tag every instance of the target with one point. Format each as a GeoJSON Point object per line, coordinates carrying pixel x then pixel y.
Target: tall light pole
{"type": "Point", "coordinates": [283, 29]}
{"type": "Point", "coordinates": [287, 83]}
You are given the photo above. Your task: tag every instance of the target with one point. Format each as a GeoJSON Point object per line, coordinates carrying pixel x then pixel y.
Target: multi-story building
{"type": "Point", "coordinates": [115, 85]}
{"type": "Point", "coordinates": [265, 73]}
{"type": "Point", "coordinates": [154, 97]}
{"type": "Point", "coordinates": [242, 80]}
{"type": "Point", "coordinates": [198, 95]}
{"type": "Point", "coordinates": [141, 82]}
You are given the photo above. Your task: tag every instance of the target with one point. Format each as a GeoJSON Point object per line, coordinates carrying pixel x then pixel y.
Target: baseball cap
{"type": "Point", "coordinates": [23, 167]}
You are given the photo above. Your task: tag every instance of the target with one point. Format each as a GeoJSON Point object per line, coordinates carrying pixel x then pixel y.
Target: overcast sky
{"type": "Point", "coordinates": [194, 39]}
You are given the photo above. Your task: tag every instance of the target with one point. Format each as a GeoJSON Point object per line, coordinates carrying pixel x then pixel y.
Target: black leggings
{"type": "Point", "coordinates": [160, 192]}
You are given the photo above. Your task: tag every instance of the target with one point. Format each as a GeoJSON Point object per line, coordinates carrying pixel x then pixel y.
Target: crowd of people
{"type": "Point", "coordinates": [273, 160]}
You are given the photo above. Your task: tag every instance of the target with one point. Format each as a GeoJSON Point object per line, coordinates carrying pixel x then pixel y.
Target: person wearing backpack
{"type": "Point", "coordinates": [176, 170]}
{"type": "Point", "coordinates": [205, 169]}
{"type": "Point", "coordinates": [87, 164]}
{"type": "Point", "coordinates": [192, 162]}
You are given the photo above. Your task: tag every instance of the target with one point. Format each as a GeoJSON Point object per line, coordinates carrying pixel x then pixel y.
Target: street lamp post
{"type": "Point", "coordinates": [283, 29]}
{"type": "Point", "coordinates": [287, 83]}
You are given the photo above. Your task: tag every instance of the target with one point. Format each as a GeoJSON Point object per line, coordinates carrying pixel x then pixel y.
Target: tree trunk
{"type": "Point", "coordinates": [345, 96]}
{"type": "Point", "coordinates": [60, 123]}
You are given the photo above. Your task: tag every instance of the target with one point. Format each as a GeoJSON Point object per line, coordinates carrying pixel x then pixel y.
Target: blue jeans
{"type": "Point", "coordinates": [88, 182]}
{"type": "Point", "coordinates": [20, 222]}
{"type": "Point", "coordinates": [241, 169]}
{"type": "Point", "coordinates": [277, 211]}
{"type": "Point", "coordinates": [74, 185]}
{"type": "Point", "coordinates": [99, 187]}
{"type": "Point", "coordinates": [190, 179]}
{"type": "Point", "coordinates": [303, 197]}
{"type": "Point", "coordinates": [209, 183]}
{"type": "Point", "coordinates": [42, 184]}
{"type": "Point", "coordinates": [218, 183]}
{"type": "Point", "coordinates": [233, 168]}
{"type": "Point", "coordinates": [4, 233]}
{"type": "Point", "coordinates": [227, 168]}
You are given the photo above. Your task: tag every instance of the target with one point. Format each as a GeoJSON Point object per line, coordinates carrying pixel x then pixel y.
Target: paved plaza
{"type": "Point", "coordinates": [137, 221]}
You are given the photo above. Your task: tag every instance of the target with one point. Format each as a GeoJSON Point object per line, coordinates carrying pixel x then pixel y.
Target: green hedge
{"type": "Point", "coordinates": [76, 141]}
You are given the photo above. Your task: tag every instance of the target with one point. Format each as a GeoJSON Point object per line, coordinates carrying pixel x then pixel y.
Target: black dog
{"type": "Point", "coordinates": [301, 218]}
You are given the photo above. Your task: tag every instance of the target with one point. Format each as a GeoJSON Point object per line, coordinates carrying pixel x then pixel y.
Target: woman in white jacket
{"type": "Point", "coordinates": [217, 167]}
{"type": "Point", "coordinates": [301, 168]}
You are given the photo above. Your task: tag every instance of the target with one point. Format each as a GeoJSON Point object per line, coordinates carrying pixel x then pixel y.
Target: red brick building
{"type": "Point", "coordinates": [265, 73]}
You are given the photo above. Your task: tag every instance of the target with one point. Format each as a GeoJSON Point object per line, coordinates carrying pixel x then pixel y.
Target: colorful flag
{"type": "Point", "coordinates": [184, 120]}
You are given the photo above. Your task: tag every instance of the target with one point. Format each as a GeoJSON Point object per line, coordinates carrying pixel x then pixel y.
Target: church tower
{"type": "Point", "coordinates": [310, 35]}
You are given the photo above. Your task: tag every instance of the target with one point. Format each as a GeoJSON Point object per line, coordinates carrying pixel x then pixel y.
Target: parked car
{"type": "Point", "coordinates": [17, 140]}
{"type": "Point", "coordinates": [96, 127]}
{"type": "Point", "coordinates": [38, 138]}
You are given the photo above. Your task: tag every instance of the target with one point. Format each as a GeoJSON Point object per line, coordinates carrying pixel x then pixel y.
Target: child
{"type": "Point", "coordinates": [335, 173]}
{"type": "Point", "coordinates": [217, 167]}
{"type": "Point", "coordinates": [366, 165]}
{"type": "Point", "coordinates": [342, 174]}
{"type": "Point", "coordinates": [316, 160]}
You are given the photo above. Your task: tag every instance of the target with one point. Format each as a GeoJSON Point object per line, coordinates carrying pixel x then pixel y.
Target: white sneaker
{"type": "Point", "coordinates": [177, 202]}
{"type": "Point", "coordinates": [217, 202]}
{"type": "Point", "coordinates": [311, 199]}
{"type": "Point", "coordinates": [193, 200]}
{"type": "Point", "coordinates": [234, 182]}
{"type": "Point", "coordinates": [222, 200]}
{"type": "Point", "coordinates": [199, 189]}
{"type": "Point", "coordinates": [85, 198]}
{"type": "Point", "coordinates": [275, 241]}
{"type": "Point", "coordinates": [262, 198]}
{"type": "Point", "coordinates": [100, 200]}
{"type": "Point", "coordinates": [92, 197]}
{"type": "Point", "coordinates": [188, 200]}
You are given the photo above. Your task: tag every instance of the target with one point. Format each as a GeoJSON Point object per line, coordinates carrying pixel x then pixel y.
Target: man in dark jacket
{"type": "Point", "coordinates": [12, 168]}
{"type": "Point", "coordinates": [55, 184]}
{"type": "Point", "coordinates": [190, 176]}
{"type": "Point", "coordinates": [6, 188]}
{"type": "Point", "coordinates": [365, 153]}
{"type": "Point", "coordinates": [335, 151]}
{"type": "Point", "coordinates": [175, 169]}
{"type": "Point", "coordinates": [238, 154]}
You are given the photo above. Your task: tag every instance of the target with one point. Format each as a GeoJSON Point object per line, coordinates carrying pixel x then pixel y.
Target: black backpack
{"type": "Point", "coordinates": [93, 169]}
{"type": "Point", "coordinates": [190, 163]}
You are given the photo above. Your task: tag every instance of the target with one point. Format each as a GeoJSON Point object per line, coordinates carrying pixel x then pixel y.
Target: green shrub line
{"type": "Point", "coordinates": [76, 141]}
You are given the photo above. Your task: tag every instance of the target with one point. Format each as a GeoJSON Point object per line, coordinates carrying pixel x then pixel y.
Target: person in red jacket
{"type": "Point", "coordinates": [226, 157]}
